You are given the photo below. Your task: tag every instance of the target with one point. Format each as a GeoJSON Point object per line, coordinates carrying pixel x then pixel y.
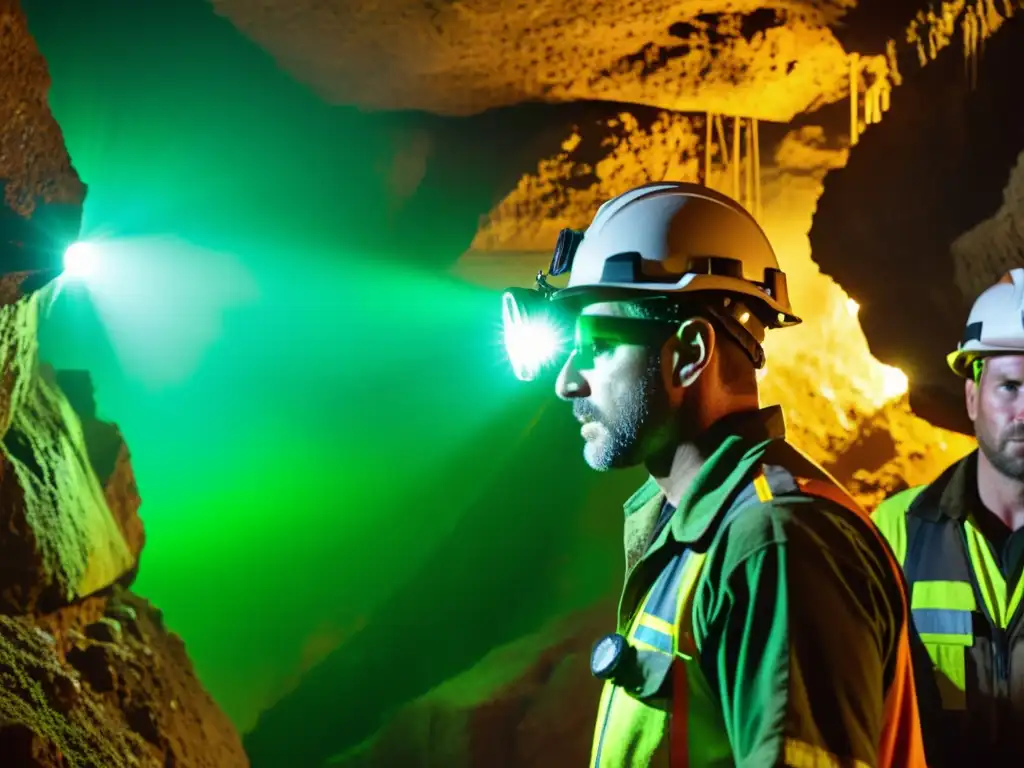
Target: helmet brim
{"type": "Point", "coordinates": [960, 360]}
{"type": "Point", "coordinates": [580, 295]}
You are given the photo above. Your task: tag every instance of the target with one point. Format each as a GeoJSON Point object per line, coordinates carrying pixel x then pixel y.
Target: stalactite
{"type": "Point", "coordinates": [970, 35]}
{"type": "Point", "coordinates": [892, 64]}
{"type": "Point", "coordinates": [749, 165]}
{"type": "Point", "coordinates": [983, 27]}
{"type": "Point", "coordinates": [737, 192]}
{"type": "Point", "coordinates": [854, 97]}
{"type": "Point", "coordinates": [708, 118]}
{"type": "Point", "coordinates": [723, 145]}
{"type": "Point", "coordinates": [757, 169]}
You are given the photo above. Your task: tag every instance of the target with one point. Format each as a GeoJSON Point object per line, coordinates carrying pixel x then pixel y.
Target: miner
{"type": "Point", "coordinates": [762, 621]}
{"type": "Point", "coordinates": [960, 541]}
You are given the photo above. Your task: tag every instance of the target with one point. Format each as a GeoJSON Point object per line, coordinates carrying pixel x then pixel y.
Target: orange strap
{"type": "Point", "coordinates": [679, 725]}
{"type": "Point", "coordinates": [901, 744]}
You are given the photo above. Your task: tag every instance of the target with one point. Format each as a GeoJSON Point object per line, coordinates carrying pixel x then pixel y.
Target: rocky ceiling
{"type": "Point", "coordinates": [770, 60]}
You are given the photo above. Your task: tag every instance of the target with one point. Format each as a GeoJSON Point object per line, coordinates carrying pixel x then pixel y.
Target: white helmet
{"type": "Point", "coordinates": [995, 325]}
{"type": "Point", "coordinates": [670, 238]}
{"type": "Point", "coordinates": [666, 239]}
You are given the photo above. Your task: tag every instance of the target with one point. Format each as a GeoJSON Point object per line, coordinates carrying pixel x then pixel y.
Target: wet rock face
{"type": "Point", "coordinates": [90, 676]}
{"type": "Point", "coordinates": [771, 60]}
{"type": "Point", "coordinates": [61, 539]}
{"type": "Point", "coordinates": [528, 704]}
{"type": "Point", "coordinates": [41, 193]}
{"type": "Point", "coordinates": [104, 684]}
{"type": "Point", "coordinates": [68, 503]}
{"type": "Point", "coordinates": [928, 212]}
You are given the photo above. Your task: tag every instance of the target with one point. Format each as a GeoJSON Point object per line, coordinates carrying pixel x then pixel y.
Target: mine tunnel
{"type": "Point", "coordinates": [270, 495]}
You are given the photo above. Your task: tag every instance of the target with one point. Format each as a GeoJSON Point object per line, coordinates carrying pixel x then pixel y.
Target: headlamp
{"type": "Point", "coordinates": [535, 330]}
{"type": "Point", "coordinates": [534, 333]}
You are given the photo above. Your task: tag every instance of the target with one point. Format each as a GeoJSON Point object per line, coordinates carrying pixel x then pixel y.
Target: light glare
{"type": "Point", "coordinates": [530, 346]}
{"type": "Point", "coordinates": [80, 261]}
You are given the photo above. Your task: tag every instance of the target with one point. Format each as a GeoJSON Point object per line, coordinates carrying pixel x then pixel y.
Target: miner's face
{"type": "Point", "coordinates": [995, 403]}
{"type": "Point", "coordinates": [619, 388]}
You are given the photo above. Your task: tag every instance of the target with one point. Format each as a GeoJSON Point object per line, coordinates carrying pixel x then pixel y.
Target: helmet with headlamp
{"type": "Point", "coordinates": [994, 327]}
{"type": "Point", "coordinates": [677, 244]}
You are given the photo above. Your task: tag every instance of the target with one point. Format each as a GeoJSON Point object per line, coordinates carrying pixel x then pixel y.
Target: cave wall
{"type": "Point", "coordinates": [926, 213]}
{"type": "Point", "coordinates": [92, 677]}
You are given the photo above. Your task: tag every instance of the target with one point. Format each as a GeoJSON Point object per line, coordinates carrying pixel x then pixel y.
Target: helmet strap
{"type": "Point", "coordinates": [977, 366]}
{"type": "Point", "coordinates": [742, 336]}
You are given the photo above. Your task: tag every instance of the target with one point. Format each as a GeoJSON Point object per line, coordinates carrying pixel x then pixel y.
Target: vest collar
{"type": "Point", "coordinates": [733, 445]}
{"type": "Point", "coordinates": [950, 494]}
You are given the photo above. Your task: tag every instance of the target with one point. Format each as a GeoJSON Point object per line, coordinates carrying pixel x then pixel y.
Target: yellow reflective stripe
{"type": "Point", "coordinates": [986, 571]}
{"type": "Point", "coordinates": [955, 595]}
{"type": "Point", "coordinates": [653, 622]}
{"type": "Point", "coordinates": [1011, 609]}
{"type": "Point", "coordinates": [764, 491]}
{"type": "Point", "coordinates": [891, 518]}
{"type": "Point", "coordinates": [693, 568]}
{"type": "Point", "coordinates": [990, 579]}
{"type": "Point", "coordinates": [927, 637]}
{"type": "Point", "coordinates": [640, 645]}
{"type": "Point", "coordinates": [800, 754]}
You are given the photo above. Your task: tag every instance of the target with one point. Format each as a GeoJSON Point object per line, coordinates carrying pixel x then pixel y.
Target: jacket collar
{"type": "Point", "coordinates": [734, 446]}
{"type": "Point", "coordinates": [952, 494]}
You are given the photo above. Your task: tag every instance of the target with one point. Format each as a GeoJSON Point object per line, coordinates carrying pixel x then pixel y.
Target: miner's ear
{"type": "Point", "coordinates": [692, 347]}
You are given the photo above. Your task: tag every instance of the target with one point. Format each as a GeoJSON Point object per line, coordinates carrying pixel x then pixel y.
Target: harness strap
{"type": "Point", "coordinates": [679, 725]}
{"type": "Point", "coordinates": [901, 742]}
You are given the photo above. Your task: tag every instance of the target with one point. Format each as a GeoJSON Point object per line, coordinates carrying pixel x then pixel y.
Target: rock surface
{"type": "Point", "coordinates": [90, 676]}
{"type": "Point", "coordinates": [102, 684]}
{"type": "Point", "coordinates": [41, 194]}
{"type": "Point", "coordinates": [528, 704]}
{"type": "Point", "coordinates": [765, 59]}
{"type": "Point", "coordinates": [928, 211]}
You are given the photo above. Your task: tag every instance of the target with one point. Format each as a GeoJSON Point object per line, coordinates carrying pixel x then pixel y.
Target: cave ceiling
{"type": "Point", "coordinates": [769, 60]}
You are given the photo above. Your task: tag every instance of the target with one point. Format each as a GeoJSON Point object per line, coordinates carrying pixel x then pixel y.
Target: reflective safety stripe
{"type": "Point", "coordinates": [652, 638]}
{"type": "Point", "coordinates": [942, 611]}
{"type": "Point", "coordinates": [891, 518]}
{"type": "Point", "coordinates": [1000, 605]}
{"type": "Point", "coordinates": [761, 487]}
{"type": "Point", "coordinates": [957, 595]}
{"type": "Point", "coordinates": [942, 621]}
{"type": "Point", "coordinates": [656, 623]}
{"type": "Point", "coordinates": [653, 628]}
{"type": "Point", "coordinates": [800, 754]}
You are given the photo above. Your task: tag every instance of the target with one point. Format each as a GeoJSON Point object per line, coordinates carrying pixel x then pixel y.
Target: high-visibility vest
{"type": "Point", "coordinates": [671, 717]}
{"type": "Point", "coordinates": [952, 577]}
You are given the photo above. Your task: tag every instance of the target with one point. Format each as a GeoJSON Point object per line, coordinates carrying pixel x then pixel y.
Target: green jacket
{"type": "Point", "coordinates": [964, 577]}
{"type": "Point", "coordinates": [781, 607]}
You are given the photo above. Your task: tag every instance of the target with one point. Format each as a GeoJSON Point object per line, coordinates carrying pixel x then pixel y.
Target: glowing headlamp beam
{"type": "Point", "coordinates": [530, 342]}
{"type": "Point", "coordinates": [80, 260]}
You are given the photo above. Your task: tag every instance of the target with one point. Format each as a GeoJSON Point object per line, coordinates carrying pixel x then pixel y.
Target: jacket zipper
{"type": "Point", "coordinates": [1000, 652]}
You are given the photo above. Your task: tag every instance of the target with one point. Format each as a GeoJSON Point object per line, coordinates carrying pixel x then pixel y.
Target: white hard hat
{"type": "Point", "coordinates": [995, 325]}
{"type": "Point", "coordinates": [674, 237]}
